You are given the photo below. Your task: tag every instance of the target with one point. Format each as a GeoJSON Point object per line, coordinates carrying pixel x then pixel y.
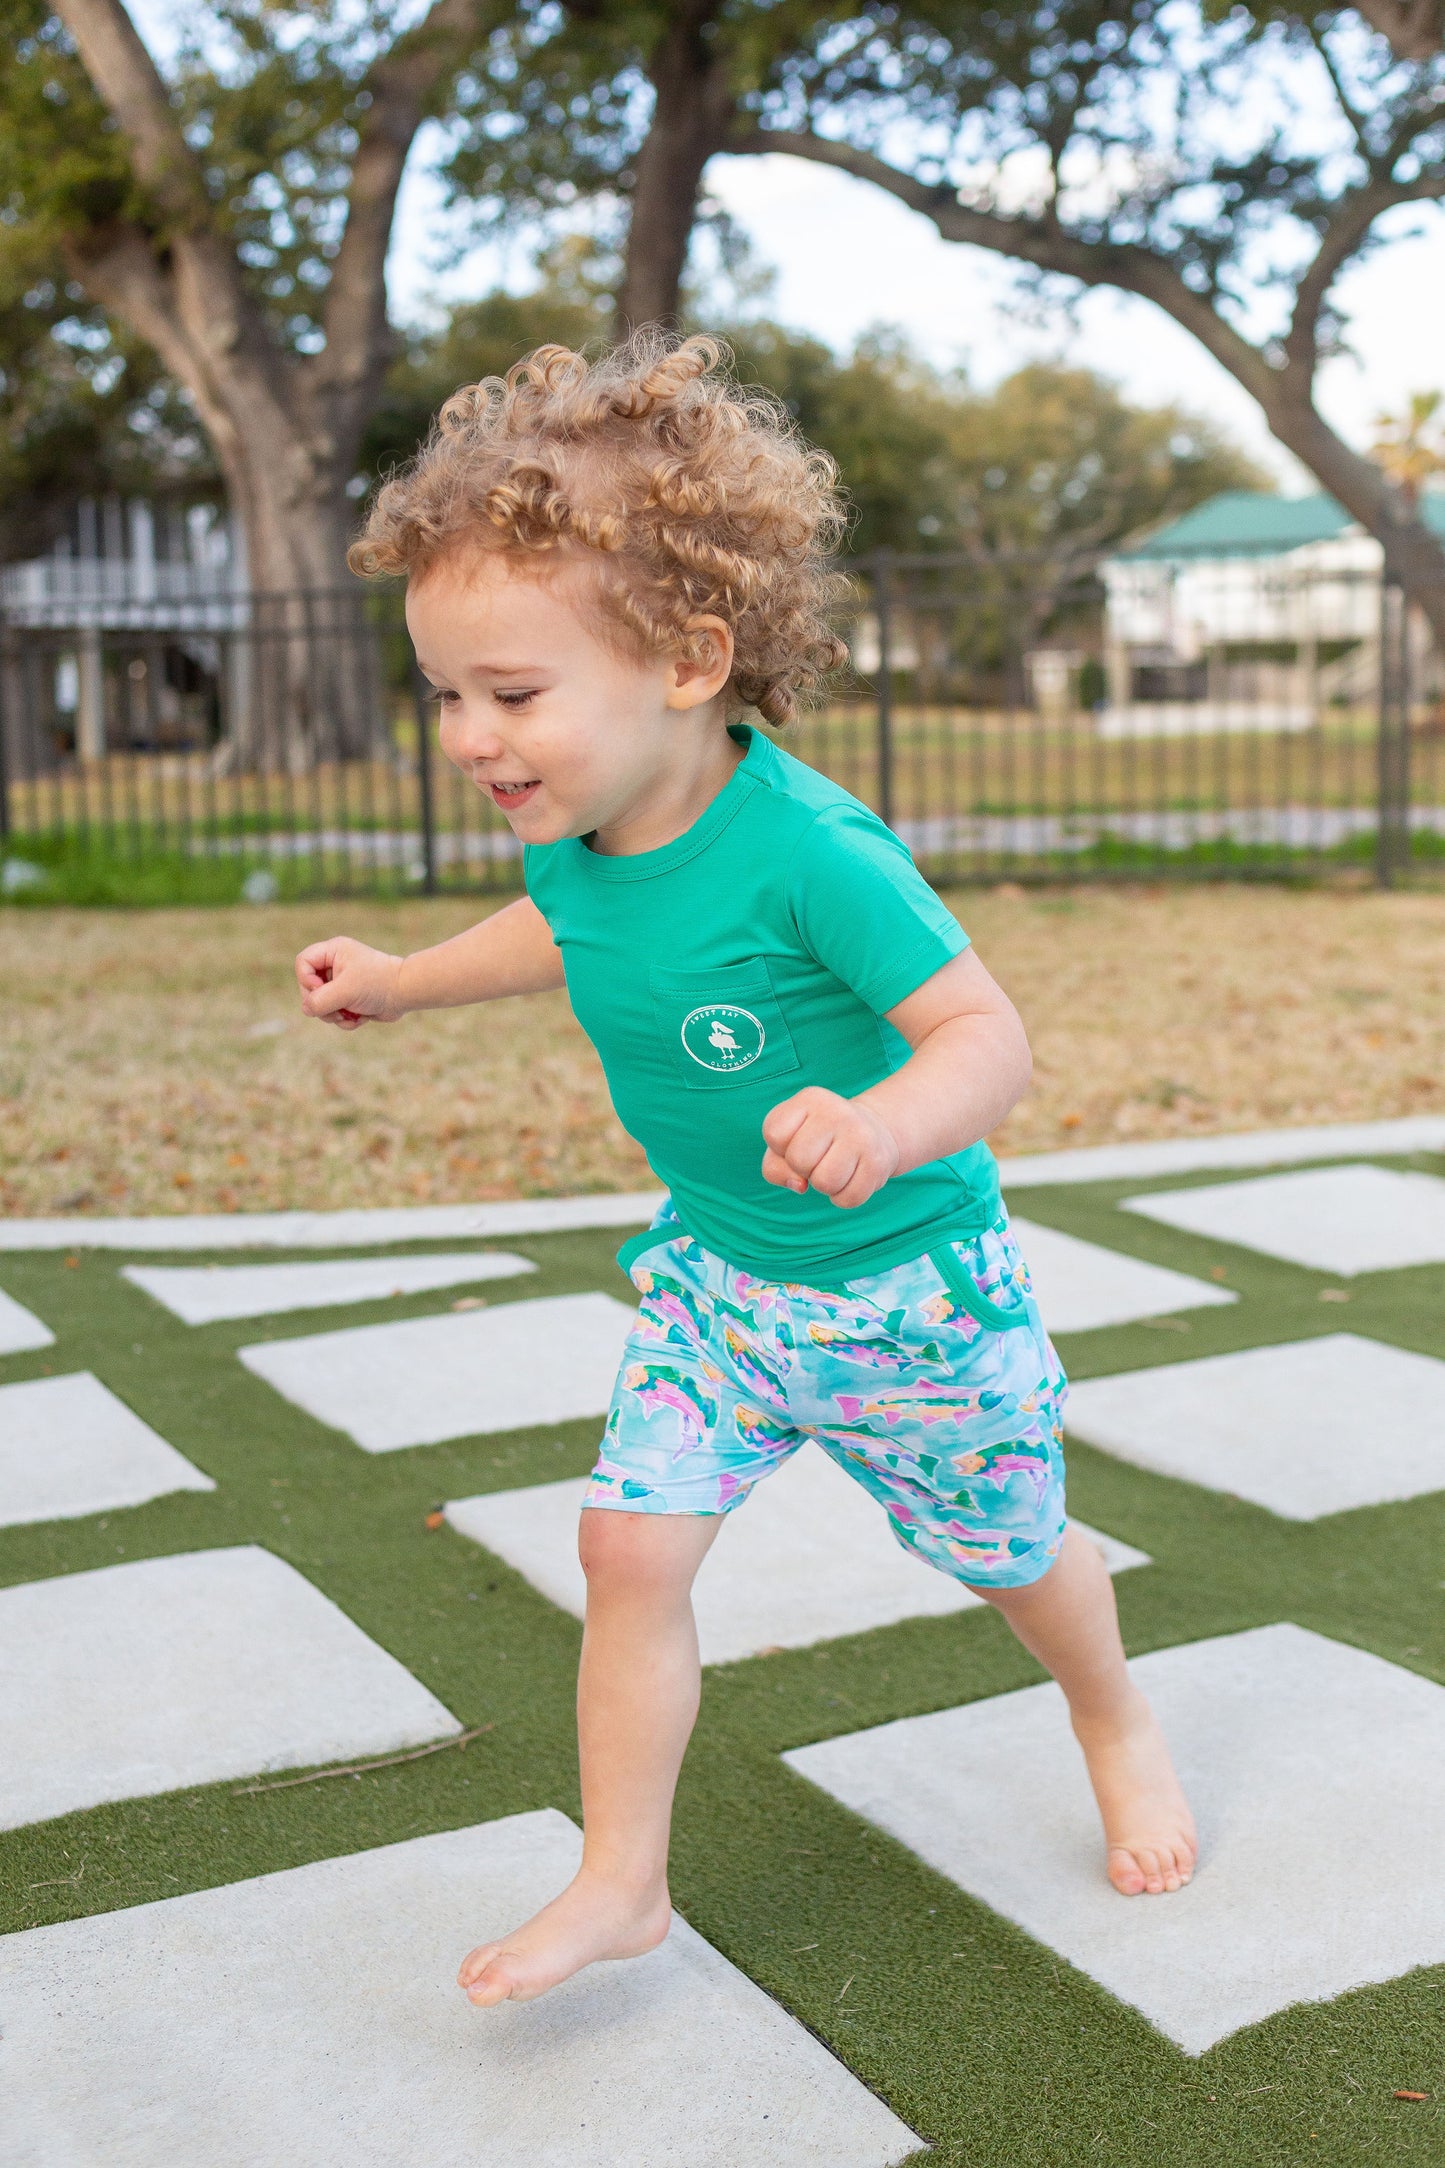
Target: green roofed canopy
{"type": "Point", "coordinates": [1248, 523]}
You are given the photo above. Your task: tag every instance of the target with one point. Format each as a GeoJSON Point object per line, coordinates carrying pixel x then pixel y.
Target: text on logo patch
{"type": "Point", "coordinates": [722, 1037]}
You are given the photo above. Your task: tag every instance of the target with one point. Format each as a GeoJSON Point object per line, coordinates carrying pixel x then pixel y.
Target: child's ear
{"type": "Point", "coordinates": [700, 675]}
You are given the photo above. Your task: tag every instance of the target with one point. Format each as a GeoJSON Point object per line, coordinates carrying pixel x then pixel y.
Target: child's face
{"type": "Point", "coordinates": [554, 725]}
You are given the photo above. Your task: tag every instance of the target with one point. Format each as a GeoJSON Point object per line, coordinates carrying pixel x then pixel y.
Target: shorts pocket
{"type": "Point", "coordinates": [651, 1238]}
{"type": "Point", "coordinates": [722, 1027]}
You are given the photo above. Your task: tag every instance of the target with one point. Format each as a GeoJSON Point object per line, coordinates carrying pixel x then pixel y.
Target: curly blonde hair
{"type": "Point", "coordinates": [686, 494]}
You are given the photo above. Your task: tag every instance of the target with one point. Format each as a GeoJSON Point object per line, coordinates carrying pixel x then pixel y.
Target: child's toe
{"type": "Point", "coordinates": [1180, 1862]}
{"type": "Point", "coordinates": [475, 1963]}
{"type": "Point", "coordinates": [1125, 1872]}
{"type": "Point", "coordinates": [1152, 1870]}
{"type": "Point", "coordinates": [495, 1983]}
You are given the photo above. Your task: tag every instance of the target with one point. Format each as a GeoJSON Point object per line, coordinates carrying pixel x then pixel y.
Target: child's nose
{"type": "Point", "coordinates": [468, 737]}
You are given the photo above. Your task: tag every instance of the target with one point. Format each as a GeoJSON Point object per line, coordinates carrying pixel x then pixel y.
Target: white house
{"type": "Point", "coordinates": [124, 566]}
{"type": "Point", "coordinates": [1252, 612]}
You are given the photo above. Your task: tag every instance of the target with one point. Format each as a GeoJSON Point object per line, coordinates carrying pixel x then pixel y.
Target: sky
{"type": "Point", "coordinates": [847, 256]}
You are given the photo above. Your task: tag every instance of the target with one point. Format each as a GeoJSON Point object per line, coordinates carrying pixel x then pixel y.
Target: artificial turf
{"type": "Point", "coordinates": [989, 2045]}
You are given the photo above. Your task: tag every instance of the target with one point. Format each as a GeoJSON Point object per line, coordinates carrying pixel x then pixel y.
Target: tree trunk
{"type": "Point", "coordinates": [689, 122]}
{"type": "Point", "coordinates": [1414, 556]}
{"type": "Point", "coordinates": [304, 686]}
{"type": "Point", "coordinates": [1415, 29]}
{"type": "Point", "coordinates": [285, 427]}
{"type": "Point", "coordinates": [307, 690]}
{"type": "Point", "coordinates": [292, 507]}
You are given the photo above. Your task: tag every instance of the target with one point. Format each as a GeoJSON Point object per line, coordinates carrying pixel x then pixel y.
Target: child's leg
{"type": "Point", "coordinates": [1068, 1620]}
{"type": "Point", "coordinates": [637, 1696]}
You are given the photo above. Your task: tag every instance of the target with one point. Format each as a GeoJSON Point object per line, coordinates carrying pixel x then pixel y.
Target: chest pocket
{"type": "Point", "coordinates": [722, 1027]}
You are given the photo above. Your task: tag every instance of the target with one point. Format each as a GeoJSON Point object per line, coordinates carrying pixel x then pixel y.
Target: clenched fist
{"type": "Point", "coordinates": [819, 1140]}
{"type": "Point", "coordinates": [344, 982]}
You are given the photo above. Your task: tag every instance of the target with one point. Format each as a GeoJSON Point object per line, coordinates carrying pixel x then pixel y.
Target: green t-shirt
{"type": "Point", "coordinates": [751, 956]}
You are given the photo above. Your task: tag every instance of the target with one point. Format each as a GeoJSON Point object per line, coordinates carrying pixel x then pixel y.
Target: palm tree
{"type": "Point", "coordinates": [1411, 446]}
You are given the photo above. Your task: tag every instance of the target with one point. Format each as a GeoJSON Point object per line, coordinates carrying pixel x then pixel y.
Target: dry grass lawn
{"type": "Point", "coordinates": [157, 1061]}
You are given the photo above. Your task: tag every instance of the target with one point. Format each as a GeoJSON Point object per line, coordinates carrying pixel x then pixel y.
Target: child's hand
{"type": "Point", "coordinates": [819, 1140]}
{"type": "Point", "coordinates": [344, 982]}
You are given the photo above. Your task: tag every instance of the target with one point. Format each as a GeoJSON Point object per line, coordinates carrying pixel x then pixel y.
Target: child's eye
{"type": "Point", "coordinates": [513, 700]}
{"type": "Point", "coordinates": [439, 695]}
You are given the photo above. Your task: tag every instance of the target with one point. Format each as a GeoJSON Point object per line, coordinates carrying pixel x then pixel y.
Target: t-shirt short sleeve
{"type": "Point", "coordinates": [864, 910]}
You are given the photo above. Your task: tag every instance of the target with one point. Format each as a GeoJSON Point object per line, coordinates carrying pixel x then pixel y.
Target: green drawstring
{"type": "Point", "coordinates": [958, 1283]}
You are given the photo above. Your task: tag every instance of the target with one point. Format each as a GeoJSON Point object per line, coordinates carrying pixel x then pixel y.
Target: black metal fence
{"type": "Point", "coordinates": [1010, 719]}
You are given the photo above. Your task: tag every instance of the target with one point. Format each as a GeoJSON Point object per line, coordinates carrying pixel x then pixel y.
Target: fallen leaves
{"type": "Point", "coordinates": [263, 1111]}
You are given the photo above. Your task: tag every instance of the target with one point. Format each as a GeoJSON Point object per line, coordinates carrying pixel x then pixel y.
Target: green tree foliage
{"type": "Point", "coordinates": [232, 209]}
{"type": "Point", "coordinates": [620, 104]}
{"type": "Point", "coordinates": [571, 307]}
{"type": "Point", "coordinates": [1227, 163]}
{"type": "Point", "coordinates": [1056, 460]}
{"type": "Point", "coordinates": [87, 411]}
{"type": "Point", "coordinates": [63, 162]}
{"type": "Point", "coordinates": [270, 115]}
{"type": "Point", "coordinates": [1053, 462]}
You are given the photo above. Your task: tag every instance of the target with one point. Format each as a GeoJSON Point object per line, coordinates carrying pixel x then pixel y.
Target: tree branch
{"type": "Point", "coordinates": [113, 56]}
{"type": "Point", "coordinates": [1412, 554]}
{"type": "Point", "coordinates": [1124, 264]}
{"type": "Point", "coordinates": [402, 83]}
{"type": "Point", "coordinates": [1345, 233]}
{"type": "Point", "coordinates": [1347, 106]}
{"type": "Point", "coordinates": [693, 104]}
{"type": "Point", "coordinates": [1414, 29]}
{"type": "Point", "coordinates": [197, 305]}
{"type": "Point", "coordinates": [119, 266]}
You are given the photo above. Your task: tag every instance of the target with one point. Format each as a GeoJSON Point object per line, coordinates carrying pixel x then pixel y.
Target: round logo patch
{"type": "Point", "coordinates": [722, 1037]}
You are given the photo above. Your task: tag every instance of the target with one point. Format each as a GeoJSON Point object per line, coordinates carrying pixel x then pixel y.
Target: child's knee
{"type": "Point", "coordinates": [638, 1554]}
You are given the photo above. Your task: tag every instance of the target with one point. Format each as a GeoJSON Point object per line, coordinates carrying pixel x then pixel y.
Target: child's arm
{"type": "Point", "coordinates": [969, 1066]}
{"type": "Point", "coordinates": [346, 983]}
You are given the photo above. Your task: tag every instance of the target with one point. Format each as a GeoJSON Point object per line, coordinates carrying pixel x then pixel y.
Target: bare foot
{"type": "Point", "coordinates": [591, 1919]}
{"type": "Point", "coordinates": [1148, 1827]}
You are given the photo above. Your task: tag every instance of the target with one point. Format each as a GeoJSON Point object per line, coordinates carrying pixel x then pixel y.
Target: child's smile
{"type": "Point", "coordinates": [511, 797]}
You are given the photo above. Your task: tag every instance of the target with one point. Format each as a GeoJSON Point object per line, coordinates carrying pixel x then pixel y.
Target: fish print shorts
{"type": "Point", "coordinates": [933, 1384]}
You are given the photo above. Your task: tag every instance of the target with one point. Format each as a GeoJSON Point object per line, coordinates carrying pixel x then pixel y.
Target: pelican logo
{"type": "Point", "coordinates": [723, 1038]}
